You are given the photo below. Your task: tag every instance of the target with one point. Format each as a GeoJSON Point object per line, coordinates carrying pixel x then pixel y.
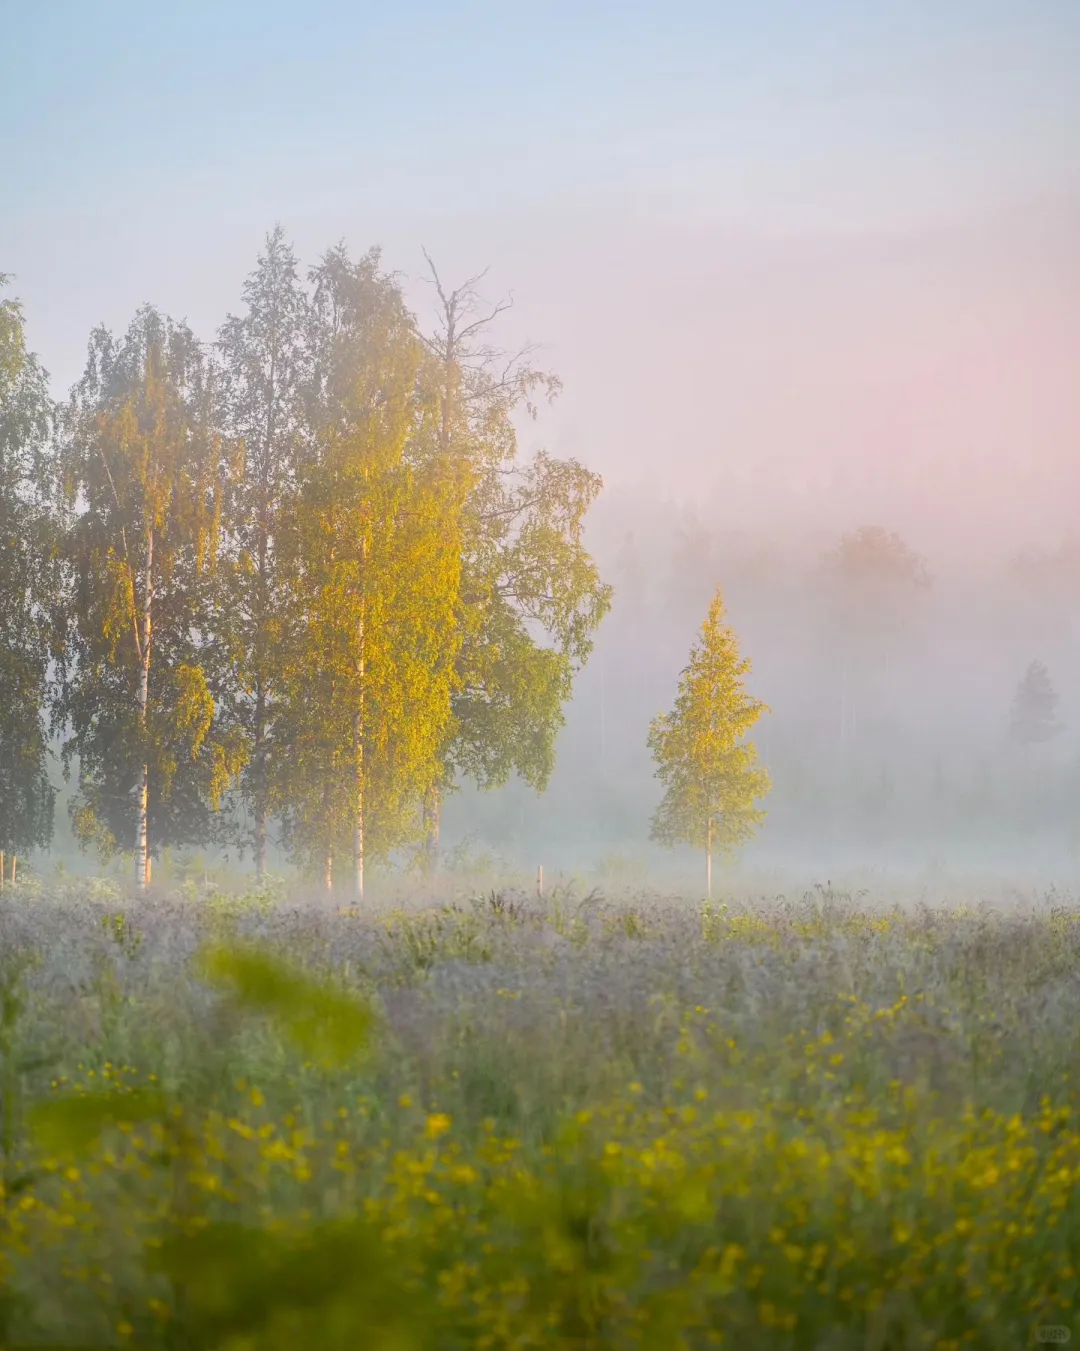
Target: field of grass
{"type": "Point", "coordinates": [581, 1121]}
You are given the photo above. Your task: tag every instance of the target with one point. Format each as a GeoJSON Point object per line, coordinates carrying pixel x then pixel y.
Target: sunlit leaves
{"type": "Point", "coordinates": [143, 462]}
{"type": "Point", "coordinates": [707, 766]}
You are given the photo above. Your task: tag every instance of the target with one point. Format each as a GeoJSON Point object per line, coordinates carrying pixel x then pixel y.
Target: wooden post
{"type": "Point", "coordinates": [14, 865]}
{"type": "Point", "coordinates": [1, 870]}
{"type": "Point", "coordinates": [540, 881]}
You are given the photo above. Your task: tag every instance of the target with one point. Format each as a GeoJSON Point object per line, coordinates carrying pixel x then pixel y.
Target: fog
{"type": "Point", "coordinates": [889, 741]}
{"type": "Point", "coordinates": [798, 278]}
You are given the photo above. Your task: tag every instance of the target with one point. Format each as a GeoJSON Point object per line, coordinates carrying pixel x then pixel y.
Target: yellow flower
{"type": "Point", "coordinates": [437, 1124]}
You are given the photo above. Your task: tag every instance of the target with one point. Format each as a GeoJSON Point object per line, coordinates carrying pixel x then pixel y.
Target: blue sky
{"type": "Point", "coordinates": [146, 147]}
{"type": "Point", "coordinates": [929, 107]}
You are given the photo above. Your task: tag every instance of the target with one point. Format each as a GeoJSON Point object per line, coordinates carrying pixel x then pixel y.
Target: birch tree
{"type": "Point", "coordinates": [709, 770]}
{"type": "Point", "coordinates": [142, 464]}
{"type": "Point", "coordinates": [379, 546]}
{"type": "Point", "coordinates": [532, 595]}
{"type": "Point", "coordinates": [28, 584]}
{"type": "Point", "coordinates": [265, 358]}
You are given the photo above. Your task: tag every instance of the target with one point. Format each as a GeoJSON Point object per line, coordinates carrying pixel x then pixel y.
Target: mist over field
{"type": "Point", "coordinates": [794, 286]}
{"type": "Point", "coordinates": [540, 675]}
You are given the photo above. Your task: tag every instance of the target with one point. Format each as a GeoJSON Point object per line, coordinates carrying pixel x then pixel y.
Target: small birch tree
{"type": "Point", "coordinates": [709, 770]}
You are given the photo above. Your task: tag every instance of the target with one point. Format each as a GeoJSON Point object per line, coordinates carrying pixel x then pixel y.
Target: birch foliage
{"type": "Point", "coordinates": [28, 581]}
{"type": "Point", "coordinates": [142, 465]}
{"type": "Point", "coordinates": [379, 565]}
{"type": "Point", "coordinates": [709, 770]}
{"type": "Point", "coordinates": [264, 352]}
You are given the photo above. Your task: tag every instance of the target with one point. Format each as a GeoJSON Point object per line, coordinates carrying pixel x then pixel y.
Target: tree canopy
{"type": "Point", "coordinates": [302, 580]}
{"type": "Point", "coordinates": [28, 581]}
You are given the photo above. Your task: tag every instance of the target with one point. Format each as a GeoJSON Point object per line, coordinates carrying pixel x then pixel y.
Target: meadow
{"type": "Point", "coordinates": [495, 1119]}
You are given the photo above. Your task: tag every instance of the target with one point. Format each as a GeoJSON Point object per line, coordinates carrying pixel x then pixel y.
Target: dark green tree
{"type": "Point", "coordinates": [143, 472]}
{"type": "Point", "coordinates": [28, 582]}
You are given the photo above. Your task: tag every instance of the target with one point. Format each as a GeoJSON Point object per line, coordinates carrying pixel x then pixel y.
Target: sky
{"type": "Point", "coordinates": [792, 260]}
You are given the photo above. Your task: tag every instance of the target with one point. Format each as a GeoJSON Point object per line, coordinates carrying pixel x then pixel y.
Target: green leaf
{"type": "Point", "coordinates": [328, 1024]}
{"type": "Point", "coordinates": [73, 1124]}
{"type": "Point", "coordinates": [239, 1281]}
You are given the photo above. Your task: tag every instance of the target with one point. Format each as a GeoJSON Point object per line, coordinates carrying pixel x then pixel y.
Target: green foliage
{"type": "Point", "coordinates": [708, 769]}
{"type": "Point", "coordinates": [327, 1024]}
{"type": "Point", "coordinates": [75, 1124]}
{"type": "Point", "coordinates": [28, 587]}
{"type": "Point", "coordinates": [532, 594]}
{"type": "Point", "coordinates": [305, 577]}
{"type": "Point", "coordinates": [329, 1286]}
{"type": "Point", "coordinates": [143, 466]}
{"type": "Point", "coordinates": [266, 379]}
{"type": "Point", "coordinates": [379, 556]}
{"type": "Point", "coordinates": [791, 1165]}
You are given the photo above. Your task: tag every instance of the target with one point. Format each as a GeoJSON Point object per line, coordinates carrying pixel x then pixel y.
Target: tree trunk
{"type": "Point", "coordinates": [708, 859]}
{"type": "Point", "coordinates": [328, 870]}
{"type": "Point", "coordinates": [358, 819]}
{"type": "Point", "coordinates": [259, 737]}
{"type": "Point", "coordinates": [142, 871]}
{"type": "Point", "coordinates": [1, 870]}
{"type": "Point", "coordinates": [603, 748]}
{"type": "Point", "coordinates": [359, 731]}
{"type": "Point", "coordinates": [260, 782]}
{"type": "Point", "coordinates": [432, 819]}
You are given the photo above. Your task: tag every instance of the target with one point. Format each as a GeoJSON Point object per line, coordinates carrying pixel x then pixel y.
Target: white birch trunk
{"type": "Point", "coordinates": [142, 853]}
{"type": "Point", "coordinates": [708, 859]}
{"type": "Point", "coordinates": [358, 746]}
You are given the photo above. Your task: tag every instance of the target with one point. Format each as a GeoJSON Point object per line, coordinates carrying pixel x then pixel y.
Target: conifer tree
{"type": "Point", "coordinates": [142, 467]}
{"type": "Point", "coordinates": [1033, 717]}
{"type": "Point", "coordinates": [709, 770]}
{"type": "Point", "coordinates": [28, 584]}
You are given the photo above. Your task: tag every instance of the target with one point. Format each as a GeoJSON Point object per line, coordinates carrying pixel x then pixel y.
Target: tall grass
{"type": "Point", "coordinates": [510, 1121]}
